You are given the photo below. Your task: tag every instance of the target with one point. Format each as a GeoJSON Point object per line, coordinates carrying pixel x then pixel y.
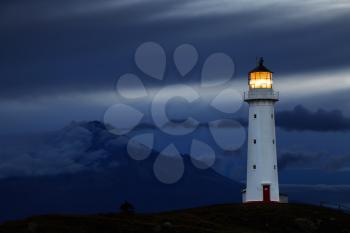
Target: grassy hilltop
{"type": "Point", "coordinates": [279, 218]}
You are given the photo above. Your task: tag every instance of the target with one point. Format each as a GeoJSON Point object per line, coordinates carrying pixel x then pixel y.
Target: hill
{"type": "Point", "coordinates": [221, 218]}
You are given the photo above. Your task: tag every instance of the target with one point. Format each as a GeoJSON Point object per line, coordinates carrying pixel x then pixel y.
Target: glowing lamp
{"type": "Point", "coordinates": [260, 77]}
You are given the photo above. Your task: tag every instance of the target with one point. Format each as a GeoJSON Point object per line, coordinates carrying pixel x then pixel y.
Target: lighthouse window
{"type": "Point", "coordinates": [254, 141]}
{"type": "Point", "coordinates": [272, 116]}
{"type": "Point", "coordinates": [260, 80]}
{"type": "Point", "coordinates": [274, 167]}
{"type": "Point", "coordinates": [273, 141]}
{"type": "Point", "coordinates": [254, 166]}
{"type": "Point", "coordinates": [254, 115]}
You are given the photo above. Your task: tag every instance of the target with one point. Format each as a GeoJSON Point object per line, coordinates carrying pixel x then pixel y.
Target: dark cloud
{"type": "Point", "coordinates": [191, 124]}
{"type": "Point", "coordinates": [301, 119]}
{"type": "Point", "coordinates": [297, 119]}
{"type": "Point", "coordinates": [290, 159]}
{"type": "Point", "coordinates": [74, 46]}
{"type": "Point", "coordinates": [71, 50]}
{"type": "Point", "coordinates": [321, 161]}
{"type": "Point", "coordinates": [318, 187]}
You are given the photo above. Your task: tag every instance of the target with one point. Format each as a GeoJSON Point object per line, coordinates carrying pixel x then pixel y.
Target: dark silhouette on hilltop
{"type": "Point", "coordinates": [127, 208]}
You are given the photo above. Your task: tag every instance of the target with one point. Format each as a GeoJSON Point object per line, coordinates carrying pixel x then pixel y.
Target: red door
{"type": "Point", "coordinates": [266, 193]}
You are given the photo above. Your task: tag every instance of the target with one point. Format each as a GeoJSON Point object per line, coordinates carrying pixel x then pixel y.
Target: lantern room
{"type": "Point", "coordinates": [260, 77]}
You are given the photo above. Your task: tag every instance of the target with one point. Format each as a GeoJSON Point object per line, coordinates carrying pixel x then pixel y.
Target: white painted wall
{"type": "Point", "coordinates": [263, 153]}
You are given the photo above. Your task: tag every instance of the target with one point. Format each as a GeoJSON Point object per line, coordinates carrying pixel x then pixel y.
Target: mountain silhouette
{"type": "Point", "coordinates": [91, 172]}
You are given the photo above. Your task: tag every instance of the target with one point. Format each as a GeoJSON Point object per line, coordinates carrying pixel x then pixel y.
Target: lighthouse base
{"type": "Point", "coordinates": [283, 199]}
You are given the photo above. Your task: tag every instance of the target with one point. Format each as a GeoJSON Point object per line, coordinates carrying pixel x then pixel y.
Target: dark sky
{"type": "Point", "coordinates": [59, 61]}
{"type": "Point", "coordinates": [78, 48]}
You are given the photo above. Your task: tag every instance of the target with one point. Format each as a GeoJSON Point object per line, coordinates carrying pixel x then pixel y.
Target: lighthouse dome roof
{"type": "Point", "coordinates": [260, 67]}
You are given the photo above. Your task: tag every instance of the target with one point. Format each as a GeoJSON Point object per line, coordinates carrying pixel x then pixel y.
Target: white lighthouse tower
{"type": "Point", "coordinates": [262, 175]}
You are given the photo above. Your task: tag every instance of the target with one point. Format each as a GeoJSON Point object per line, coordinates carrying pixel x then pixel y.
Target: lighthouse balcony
{"type": "Point", "coordinates": [261, 94]}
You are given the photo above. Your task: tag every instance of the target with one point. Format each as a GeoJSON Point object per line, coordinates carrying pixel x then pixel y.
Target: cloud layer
{"type": "Point", "coordinates": [89, 44]}
{"type": "Point", "coordinates": [322, 161]}
{"type": "Point", "coordinates": [297, 119]}
{"type": "Point", "coordinates": [77, 147]}
{"type": "Point", "coordinates": [302, 119]}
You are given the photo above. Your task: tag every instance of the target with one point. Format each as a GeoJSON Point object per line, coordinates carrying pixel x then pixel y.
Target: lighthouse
{"type": "Point", "coordinates": [262, 173]}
